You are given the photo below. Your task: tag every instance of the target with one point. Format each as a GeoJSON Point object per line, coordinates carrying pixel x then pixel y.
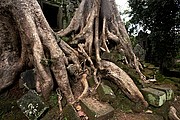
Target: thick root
{"type": "Point", "coordinates": [172, 114]}
{"type": "Point", "coordinates": [86, 86]}
{"type": "Point", "coordinates": [38, 40]}
{"type": "Point", "coordinates": [124, 82]}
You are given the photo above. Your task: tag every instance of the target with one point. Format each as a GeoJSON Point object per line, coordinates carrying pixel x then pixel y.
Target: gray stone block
{"type": "Point", "coordinates": [96, 110]}
{"type": "Point", "coordinates": [32, 105]}
{"type": "Point", "coordinates": [105, 93]}
{"type": "Point", "coordinates": [154, 97]}
{"type": "Point", "coordinates": [169, 92]}
{"type": "Point", "coordinates": [28, 78]}
{"type": "Point", "coordinates": [70, 113]}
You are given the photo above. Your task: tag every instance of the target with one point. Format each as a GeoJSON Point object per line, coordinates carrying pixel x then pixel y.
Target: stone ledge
{"type": "Point", "coordinates": [154, 97]}
{"type": "Point", "coordinates": [105, 93]}
{"type": "Point", "coordinates": [169, 92]}
{"type": "Point", "coordinates": [70, 113]}
{"type": "Point", "coordinates": [96, 110]}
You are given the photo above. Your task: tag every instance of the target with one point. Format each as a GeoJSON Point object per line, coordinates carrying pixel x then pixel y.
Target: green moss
{"type": "Point", "coordinates": [46, 62]}
{"type": "Point", "coordinates": [112, 85]}
{"type": "Point", "coordinates": [53, 100]}
{"type": "Point", "coordinates": [162, 111]}
{"type": "Point", "coordinates": [131, 72]}
{"type": "Point", "coordinates": [66, 39]}
{"type": "Point", "coordinates": [148, 73]}
{"type": "Point", "coordinates": [160, 77]}
{"type": "Point", "coordinates": [91, 81]}
{"type": "Point", "coordinates": [117, 58]}
{"type": "Point", "coordinates": [105, 93]}
{"type": "Point", "coordinates": [10, 111]}
{"type": "Point", "coordinates": [122, 102]}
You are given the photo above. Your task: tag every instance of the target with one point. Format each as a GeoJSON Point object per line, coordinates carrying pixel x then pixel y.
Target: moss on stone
{"type": "Point", "coordinates": [122, 102]}
{"type": "Point", "coordinates": [105, 93]}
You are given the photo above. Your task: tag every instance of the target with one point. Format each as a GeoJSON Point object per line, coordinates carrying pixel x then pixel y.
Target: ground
{"type": "Point", "coordinates": [10, 111]}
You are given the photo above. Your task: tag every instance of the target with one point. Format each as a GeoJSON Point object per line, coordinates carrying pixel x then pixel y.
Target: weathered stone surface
{"type": "Point", "coordinates": [112, 85]}
{"type": "Point", "coordinates": [70, 113]}
{"type": "Point", "coordinates": [140, 52]}
{"type": "Point", "coordinates": [154, 97]}
{"type": "Point", "coordinates": [28, 78]}
{"type": "Point", "coordinates": [106, 94]}
{"type": "Point", "coordinates": [52, 114]}
{"type": "Point", "coordinates": [96, 110]}
{"type": "Point", "coordinates": [32, 105]}
{"type": "Point", "coordinates": [91, 82]}
{"type": "Point", "coordinates": [169, 92]}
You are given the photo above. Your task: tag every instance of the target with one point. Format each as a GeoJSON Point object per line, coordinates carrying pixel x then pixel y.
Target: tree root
{"type": "Point", "coordinates": [86, 86]}
{"type": "Point", "coordinates": [81, 50]}
{"type": "Point", "coordinates": [99, 25]}
{"type": "Point", "coordinates": [123, 81]}
{"type": "Point", "coordinates": [39, 45]}
{"type": "Point", "coordinates": [58, 91]}
{"type": "Point", "coordinates": [112, 29]}
{"type": "Point", "coordinates": [172, 114]}
{"type": "Point", "coordinates": [94, 25]}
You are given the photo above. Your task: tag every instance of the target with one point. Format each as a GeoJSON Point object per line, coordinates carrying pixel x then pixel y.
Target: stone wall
{"type": "Point", "coordinates": [59, 12]}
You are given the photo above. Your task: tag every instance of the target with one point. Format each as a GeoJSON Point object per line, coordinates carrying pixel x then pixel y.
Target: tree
{"type": "Point", "coordinates": [33, 44]}
{"type": "Point", "coordinates": [160, 18]}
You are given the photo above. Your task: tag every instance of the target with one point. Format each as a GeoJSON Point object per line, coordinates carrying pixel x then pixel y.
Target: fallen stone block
{"type": "Point", "coordinates": [112, 85]}
{"type": "Point", "coordinates": [169, 92]}
{"type": "Point", "coordinates": [28, 78]}
{"type": "Point", "coordinates": [96, 110]}
{"type": "Point", "coordinates": [154, 97]}
{"type": "Point", "coordinates": [91, 82]}
{"type": "Point", "coordinates": [69, 113]}
{"type": "Point", "coordinates": [32, 105]}
{"type": "Point", "coordinates": [105, 93]}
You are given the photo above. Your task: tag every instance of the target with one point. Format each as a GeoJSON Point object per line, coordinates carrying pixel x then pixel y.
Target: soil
{"type": "Point", "coordinates": [8, 106]}
{"type": "Point", "coordinates": [10, 111]}
{"type": "Point", "coordinates": [120, 115]}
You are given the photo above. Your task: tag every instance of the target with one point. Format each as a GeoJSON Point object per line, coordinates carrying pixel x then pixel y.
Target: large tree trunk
{"type": "Point", "coordinates": [94, 24]}
{"type": "Point", "coordinates": [38, 46]}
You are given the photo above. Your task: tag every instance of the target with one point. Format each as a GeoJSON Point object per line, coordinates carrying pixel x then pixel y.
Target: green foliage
{"type": "Point", "coordinates": [160, 17]}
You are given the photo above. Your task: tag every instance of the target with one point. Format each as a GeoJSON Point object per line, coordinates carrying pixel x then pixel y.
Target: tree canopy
{"type": "Point", "coordinates": [160, 17]}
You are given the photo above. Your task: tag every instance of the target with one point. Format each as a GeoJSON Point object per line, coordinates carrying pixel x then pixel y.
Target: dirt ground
{"type": "Point", "coordinates": [10, 111]}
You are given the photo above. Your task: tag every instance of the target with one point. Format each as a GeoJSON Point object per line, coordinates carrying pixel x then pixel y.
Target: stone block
{"type": "Point", "coordinates": [111, 84]}
{"type": "Point", "coordinates": [91, 81]}
{"type": "Point", "coordinates": [154, 97]}
{"type": "Point", "coordinates": [28, 78]}
{"type": "Point", "coordinates": [105, 93]}
{"type": "Point", "coordinates": [70, 113]}
{"type": "Point", "coordinates": [169, 92]}
{"type": "Point", "coordinates": [32, 105]}
{"type": "Point", "coordinates": [96, 110]}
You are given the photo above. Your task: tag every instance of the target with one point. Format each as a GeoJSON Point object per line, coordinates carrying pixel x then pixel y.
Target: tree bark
{"type": "Point", "coordinates": [98, 22]}
{"type": "Point", "coordinates": [38, 45]}
{"type": "Point", "coordinates": [95, 24]}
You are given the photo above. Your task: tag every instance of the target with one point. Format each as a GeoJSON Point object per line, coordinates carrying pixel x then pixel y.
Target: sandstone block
{"type": "Point", "coordinates": [154, 97]}
{"type": "Point", "coordinates": [96, 110]}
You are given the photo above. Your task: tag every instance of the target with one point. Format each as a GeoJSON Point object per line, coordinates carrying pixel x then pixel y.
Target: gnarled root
{"type": "Point", "coordinates": [172, 114]}
{"type": "Point", "coordinates": [117, 75]}
{"type": "Point", "coordinates": [85, 23]}
{"type": "Point", "coordinates": [85, 85]}
{"type": "Point", "coordinates": [40, 44]}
